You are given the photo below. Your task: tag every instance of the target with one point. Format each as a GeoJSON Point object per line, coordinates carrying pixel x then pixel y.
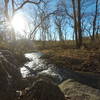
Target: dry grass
{"type": "Point", "coordinates": [85, 60]}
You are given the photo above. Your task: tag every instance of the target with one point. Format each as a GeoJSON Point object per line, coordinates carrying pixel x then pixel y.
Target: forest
{"type": "Point", "coordinates": [49, 49]}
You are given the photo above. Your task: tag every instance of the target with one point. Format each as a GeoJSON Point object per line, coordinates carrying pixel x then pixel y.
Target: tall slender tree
{"type": "Point", "coordinates": [94, 20]}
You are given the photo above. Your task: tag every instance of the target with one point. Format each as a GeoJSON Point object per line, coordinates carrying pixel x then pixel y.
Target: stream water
{"type": "Point", "coordinates": [38, 66]}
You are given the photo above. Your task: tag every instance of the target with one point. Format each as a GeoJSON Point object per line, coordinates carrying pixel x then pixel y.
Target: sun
{"type": "Point", "coordinates": [19, 23]}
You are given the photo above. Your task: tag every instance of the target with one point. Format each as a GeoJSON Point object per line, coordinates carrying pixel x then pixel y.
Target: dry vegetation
{"type": "Point", "coordinates": [62, 54]}
{"type": "Point", "coordinates": [86, 59]}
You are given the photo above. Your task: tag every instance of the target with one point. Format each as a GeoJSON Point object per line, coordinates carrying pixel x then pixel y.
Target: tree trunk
{"type": "Point", "coordinates": [79, 25]}
{"type": "Point", "coordinates": [75, 22]}
{"type": "Point", "coordinates": [6, 9]}
{"type": "Point", "coordinates": [94, 21]}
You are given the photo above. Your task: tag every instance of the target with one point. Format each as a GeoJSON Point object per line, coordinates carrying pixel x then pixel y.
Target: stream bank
{"type": "Point", "coordinates": [38, 66]}
{"type": "Point", "coordinates": [75, 86]}
{"type": "Point", "coordinates": [11, 78]}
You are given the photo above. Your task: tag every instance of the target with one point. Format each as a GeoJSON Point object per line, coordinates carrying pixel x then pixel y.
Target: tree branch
{"type": "Point", "coordinates": [40, 24]}
{"type": "Point", "coordinates": [25, 2]}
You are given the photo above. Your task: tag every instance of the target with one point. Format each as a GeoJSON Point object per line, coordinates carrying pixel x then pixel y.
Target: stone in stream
{"type": "Point", "coordinates": [74, 90]}
{"type": "Point", "coordinates": [43, 90]}
{"type": "Point", "coordinates": [9, 75]}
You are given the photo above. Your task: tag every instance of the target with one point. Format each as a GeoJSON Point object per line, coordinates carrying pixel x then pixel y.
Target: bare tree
{"type": "Point", "coordinates": [14, 10]}
{"type": "Point", "coordinates": [58, 22]}
{"type": "Point", "coordinates": [79, 24]}
{"type": "Point", "coordinates": [94, 20]}
{"type": "Point", "coordinates": [75, 22]}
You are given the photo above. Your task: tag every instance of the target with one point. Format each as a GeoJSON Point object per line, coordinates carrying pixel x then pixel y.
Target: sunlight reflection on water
{"type": "Point", "coordinates": [39, 66]}
{"type": "Point", "coordinates": [34, 60]}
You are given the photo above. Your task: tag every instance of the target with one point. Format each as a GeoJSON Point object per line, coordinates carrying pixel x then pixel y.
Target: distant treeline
{"type": "Point", "coordinates": [52, 19]}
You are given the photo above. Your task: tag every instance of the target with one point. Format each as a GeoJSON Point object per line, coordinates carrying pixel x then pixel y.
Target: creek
{"type": "Point", "coordinates": [38, 66]}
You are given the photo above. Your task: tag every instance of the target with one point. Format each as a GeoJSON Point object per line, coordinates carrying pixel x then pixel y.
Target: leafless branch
{"type": "Point", "coordinates": [28, 1]}
{"type": "Point", "coordinates": [33, 32]}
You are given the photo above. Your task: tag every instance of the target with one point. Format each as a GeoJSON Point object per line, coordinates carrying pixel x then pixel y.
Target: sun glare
{"type": "Point", "coordinates": [19, 23]}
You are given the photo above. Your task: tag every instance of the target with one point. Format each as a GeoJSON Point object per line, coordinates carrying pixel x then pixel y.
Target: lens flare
{"type": "Point", "coordinates": [19, 23]}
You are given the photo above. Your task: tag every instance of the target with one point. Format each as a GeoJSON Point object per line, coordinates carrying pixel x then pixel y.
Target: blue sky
{"type": "Point", "coordinates": [29, 9]}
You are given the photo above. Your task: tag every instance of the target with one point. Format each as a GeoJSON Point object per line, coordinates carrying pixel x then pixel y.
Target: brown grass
{"type": "Point", "coordinates": [85, 60]}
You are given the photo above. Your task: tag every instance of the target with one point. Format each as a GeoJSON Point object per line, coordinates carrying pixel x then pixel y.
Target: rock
{"type": "Point", "coordinates": [77, 91]}
{"type": "Point", "coordinates": [9, 75]}
{"type": "Point", "coordinates": [9, 56]}
{"type": "Point", "coordinates": [44, 90]}
{"type": "Point", "coordinates": [9, 63]}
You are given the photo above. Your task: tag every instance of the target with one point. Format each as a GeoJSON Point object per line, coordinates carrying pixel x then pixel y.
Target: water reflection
{"type": "Point", "coordinates": [32, 64]}
{"type": "Point", "coordinates": [38, 66]}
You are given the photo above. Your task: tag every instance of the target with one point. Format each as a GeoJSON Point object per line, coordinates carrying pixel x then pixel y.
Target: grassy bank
{"type": "Point", "coordinates": [82, 60]}
{"type": "Point", "coordinates": [62, 54]}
